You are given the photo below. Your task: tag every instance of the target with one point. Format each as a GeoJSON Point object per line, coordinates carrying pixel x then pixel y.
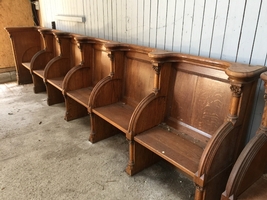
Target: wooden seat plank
{"type": "Point", "coordinates": [27, 65]}
{"type": "Point", "coordinates": [39, 72]}
{"type": "Point", "coordinates": [56, 82]}
{"type": "Point", "coordinates": [81, 95]}
{"type": "Point", "coordinates": [173, 148]}
{"type": "Point", "coordinates": [117, 114]}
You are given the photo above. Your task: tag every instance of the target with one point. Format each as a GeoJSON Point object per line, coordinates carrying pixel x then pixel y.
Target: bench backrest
{"type": "Point", "coordinates": [101, 62]}
{"type": "Point", "coordinates": [132, 66]}
{"type": "Point", "coordinates": [205, 93]}
{"type": "Point", "coordinates": [68, 49]}
{"type": "Point", "coordinates": [198, 98]}
{"type": "Point", "coordinates": [138, 76]}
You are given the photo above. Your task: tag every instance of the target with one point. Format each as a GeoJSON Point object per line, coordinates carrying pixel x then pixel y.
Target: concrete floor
{"type": "Point", "coordinates": [44, 157]}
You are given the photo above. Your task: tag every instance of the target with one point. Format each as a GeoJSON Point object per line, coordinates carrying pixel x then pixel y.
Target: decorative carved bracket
{"type": "Point", "coordinates": [236, 90]}
{"type": "Point", "coordinates": [111, 56]}
{"type": "Point", "coordinates": [235, 101]}
{"type": "Point", "coordinates": [157, 69]}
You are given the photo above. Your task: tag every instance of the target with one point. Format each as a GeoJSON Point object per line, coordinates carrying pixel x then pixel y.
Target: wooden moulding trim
{"type": "Point", "coordinates": [21, 28]}
{"type": "Point", "coordinates": [45, 31]}
{"type": "Point", "coordinates": [166, 56]}
{"type": "Point", "coordinates": [116, 46]}
{"type": "Point", "coordinates": [241, 72]}
{"type": "Point", "coordinates": [236, 71]}
{"type": "Point", "coordinates": [86, 39]}
{"type": "Point", "coordinates": [243, 163]}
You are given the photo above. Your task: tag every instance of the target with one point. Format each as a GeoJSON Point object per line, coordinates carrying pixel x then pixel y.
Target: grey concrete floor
{"type": "Point", "coordinates": [44, 157]}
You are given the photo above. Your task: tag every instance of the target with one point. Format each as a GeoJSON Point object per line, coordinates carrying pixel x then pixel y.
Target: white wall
{"type": "Point", "coordinates": [233, 30]}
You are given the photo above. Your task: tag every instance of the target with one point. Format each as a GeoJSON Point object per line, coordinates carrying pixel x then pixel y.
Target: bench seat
{"type": "Point", "coordinates": [39, 72]}
{"type": "Point", "coordinates": [173, 147]}
{"type": "Point", "coordinates": [79, 82]}
{"type": "Point", "coordinates": [26, 42]}
{"type": "Point", "coordinates": [206, 107]}
{"type": "Point", "coordinates": [118, 114]}
{"type": "Point", "coordinates": [81, 95]}
{"type": "Point", "coordinates": [27, 65]}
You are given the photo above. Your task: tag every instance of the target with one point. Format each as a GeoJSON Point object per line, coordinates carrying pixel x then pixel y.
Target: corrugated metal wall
{"type": "Point", "coordinates": [233, 30]}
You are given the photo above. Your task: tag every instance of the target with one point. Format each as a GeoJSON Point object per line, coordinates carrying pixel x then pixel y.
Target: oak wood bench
{"type": "Point", "coordinates": [248, 178]}
{"type": "Point", "coordinates": [80, 80]}
{"type": "Point", "coordinates": [26, 42]}
{"type": "Point", "coordinates": [40, 59]}
{"type": "Point", "coordinates": [56, 69]}
{"type": "Point", "coordinates": [114, 101]}
{"type": "Point", "coordinates": [202, 121]}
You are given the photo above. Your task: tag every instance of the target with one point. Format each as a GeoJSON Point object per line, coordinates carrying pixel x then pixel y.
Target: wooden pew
{"type": "Point", "coordinates": [115, 100]}
{"type": "Point", "coordinates": [202, 119]}
{"type": "Point", "coordinates": [248, 178]}
{"type": "Point", "coordinates": [40, 59]}
{"type": "Point", "coordinates": [26, 42]}
{"type": "Point", "coordinates": [56, 69]}
{"type": "Point", "coordinates": [79, 81]}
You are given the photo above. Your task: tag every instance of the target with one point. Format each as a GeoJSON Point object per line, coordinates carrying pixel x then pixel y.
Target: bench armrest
{"type": "Point", "coordinates": [57, 67]}
{"type": "Point", "coordinates": [218, 157]}
{"type": "Point", "coordinates": [40, 60]}
{"type": "Point", "coordinates": [78, 77]}
{"type": "Point", "coordinates": [106, 91]}
{"type": "Point", "coordinates": [148, 113]}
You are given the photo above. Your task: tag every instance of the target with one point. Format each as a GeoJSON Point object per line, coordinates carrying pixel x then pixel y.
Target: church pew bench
{"type": "Point", "coordinates": [79, 81]}
{"type": "Point", "coordinates": [39, 61]}
{"type": "Point", "coordinates": [26, 42]}
{"type": "Point", "coordinates": [204, 120]}
{"type": "Point", "coordinates": [56, 69]}
{"type": "Point", "coordinates": [248, 178]}
{"type": "Point", "coordinates": [116, 100]}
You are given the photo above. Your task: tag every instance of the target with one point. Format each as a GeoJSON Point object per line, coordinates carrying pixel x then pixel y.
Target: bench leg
{"type": "Point", "coordinates": [139, 158]}
{"type": "Point", "coordinates": [23, 75]}
{"type": "Point", "coordinates": [54, 95]}
{"type": "Point", "coordinates": [101, 129]}
{"type": "Point", "coordinates": [74, 110]}
{"type": "Point", "coordinates": [38, 84]}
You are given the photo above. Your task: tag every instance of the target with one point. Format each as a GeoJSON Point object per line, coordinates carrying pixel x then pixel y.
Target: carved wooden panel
{"type": "Point", "coordinates": [198, 101]}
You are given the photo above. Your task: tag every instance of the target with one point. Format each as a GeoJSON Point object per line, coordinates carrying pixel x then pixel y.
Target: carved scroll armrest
{"type": "Point", "coordinates": [249, 167]}
{"type": "Point", "coordinates": [78, 77]}
{"type": "Point", "coordinates": [57, 67]}
{"type": "Point", "coordinates": [40, 60]}
{"type": "Point", "coordinates": [218, 155]}
{"type": "Point", "coordinates": [106, 91]}
{"type": "Point", "coordinates": [148, 113]}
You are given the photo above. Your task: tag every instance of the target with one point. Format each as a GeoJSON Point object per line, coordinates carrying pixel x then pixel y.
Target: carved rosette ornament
{"type": "Point", "coordinates": [79, 46]}
{"type": "Point", "coordinates": [111, 56]}
{"type": "Point", "coordinates": [156, 67]}
{"type": "Point", "coordinates": [237, 90]}
{"type": "Point", "coordinates": [234, 108]}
